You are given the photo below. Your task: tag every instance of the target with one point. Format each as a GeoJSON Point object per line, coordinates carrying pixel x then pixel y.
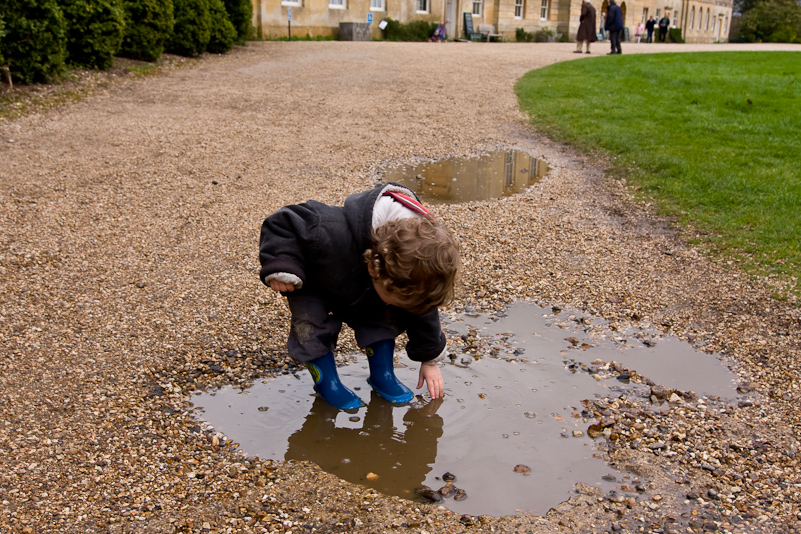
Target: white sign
{"type": "Point", "coordinates": [382, 24]}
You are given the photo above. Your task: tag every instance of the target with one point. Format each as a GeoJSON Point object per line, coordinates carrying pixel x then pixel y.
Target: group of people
{"type": "Point", "coordinates": [614, 27]}
{"type": "Point", "coordinates": [664, 26]}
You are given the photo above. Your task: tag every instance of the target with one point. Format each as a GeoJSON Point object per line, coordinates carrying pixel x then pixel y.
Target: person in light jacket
{"type": "Point", "coordinates": [639, 31]}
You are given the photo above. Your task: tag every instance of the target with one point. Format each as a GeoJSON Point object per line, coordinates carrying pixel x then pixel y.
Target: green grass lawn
{"type": "Point", "coordinates": [714, 138]}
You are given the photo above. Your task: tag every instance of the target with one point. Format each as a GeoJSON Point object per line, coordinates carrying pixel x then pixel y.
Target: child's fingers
{"type": "Point", "coordinates": [432, 377]}
{"type": "Point", "coordinates": [435, 388]}
{"type": "Point", "coordinates": [281, 286]}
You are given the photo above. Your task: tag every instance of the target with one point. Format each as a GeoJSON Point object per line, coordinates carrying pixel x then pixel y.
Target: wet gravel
{"type": "Point", "coordinates": [128, 236]}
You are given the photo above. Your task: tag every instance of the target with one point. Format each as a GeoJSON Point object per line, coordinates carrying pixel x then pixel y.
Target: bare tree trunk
{"type": "Point", "coordinates": [7, 76]}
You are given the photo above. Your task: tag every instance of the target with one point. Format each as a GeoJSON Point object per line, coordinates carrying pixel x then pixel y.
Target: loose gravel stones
{"type": "Point", "coordinates": [129, 278]}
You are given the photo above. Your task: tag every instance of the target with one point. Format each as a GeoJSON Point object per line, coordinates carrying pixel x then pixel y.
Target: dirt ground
{"type": "Point", "coordinates": [129, 225]}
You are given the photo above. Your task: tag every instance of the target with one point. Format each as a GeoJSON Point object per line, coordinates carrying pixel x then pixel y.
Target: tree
{"type": "Point", "coordinates": [240, 12]}
{"type": "Point", "coordinates": [773, 21]}
{"type": "Point", "coordinates": [2, 33]}
{"type": "Point", "coordinates": [94, 31]}
{"type": "Point", "coordinates": [192, 31]}
{"type": "Point", "coordinates": [148, 25]}
{"type": "Point", "coordinates": [35, 42]}
{"type": "Point", "coordinates": [223, 33]}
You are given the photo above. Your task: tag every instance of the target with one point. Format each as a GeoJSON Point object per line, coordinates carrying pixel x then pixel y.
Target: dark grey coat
{"type": "Point", "coordinates": [323, 246]}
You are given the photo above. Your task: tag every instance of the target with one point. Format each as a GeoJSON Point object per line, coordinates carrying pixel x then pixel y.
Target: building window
{"type": "Point", "coordinates": [692, 17]}
{"type": "Point", "coordinates": [707, 19]}
{"type": "Point", "coordinates": [658, 11]}
{"type": "Point", "coordinates": [336, 4]}
{"type": "Point", "coordinates": [291, 2]}
{"type": "Point", "coordinates": [519, 9]}
{"type": "Point", "coordinates": [725, 25]}
{"type": "Point", "coordinates": [675, 18]}
{"type": "Point", "coordinates": [377, 5]}
{"type": "Point", "coordinates": [645, 15]}
{"type": "Point", "coordinates": [544, 10]}
{"type": "Point", "coordinates": [477, 7]}
{"type": "Point", "coordinates": [422, 6]}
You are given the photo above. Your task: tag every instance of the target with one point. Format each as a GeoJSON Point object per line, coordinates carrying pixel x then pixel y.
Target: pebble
{"type": "Point", "coordinates": [522, 469]}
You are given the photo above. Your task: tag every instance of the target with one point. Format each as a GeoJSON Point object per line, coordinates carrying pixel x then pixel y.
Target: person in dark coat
{"type": "Point", "coordinates": [614, 25]}
{"type": "Point", "coordinates": [586, 31]}
{"type": "Point", "coordinates": [382, 264]}
{"type": "Point", "coordinates": [649, 27]}
{"type": "Point", "coordinates": [664, 24]}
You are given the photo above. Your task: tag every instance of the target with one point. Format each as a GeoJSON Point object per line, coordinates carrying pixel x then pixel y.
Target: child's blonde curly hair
{"type": "Point", "coordinates": [415, 260]}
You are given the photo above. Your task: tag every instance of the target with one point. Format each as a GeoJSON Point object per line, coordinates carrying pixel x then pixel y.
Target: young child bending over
{"type": "Point", "coordinates": [381, 264]}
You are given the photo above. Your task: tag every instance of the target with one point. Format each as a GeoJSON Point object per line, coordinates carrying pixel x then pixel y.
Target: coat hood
{"type": "Point", "coordinates": [359, 210]}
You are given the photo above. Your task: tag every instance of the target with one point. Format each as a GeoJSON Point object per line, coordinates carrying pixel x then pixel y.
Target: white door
{"type": "Point", "coordinates": [452, 19]}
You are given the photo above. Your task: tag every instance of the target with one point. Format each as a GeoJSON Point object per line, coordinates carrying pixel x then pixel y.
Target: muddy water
{"type": "Point", "coordinates": [521, 406]}
{"type": "Point", "coordinates": [455, 180]}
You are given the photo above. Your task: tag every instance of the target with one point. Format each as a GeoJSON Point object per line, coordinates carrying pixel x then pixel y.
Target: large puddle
{"type": "Point", "coordinates": [455, 180]}
{"type": "Point", "coordinates": [510, 428]}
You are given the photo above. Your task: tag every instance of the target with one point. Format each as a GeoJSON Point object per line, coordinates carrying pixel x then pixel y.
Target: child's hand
{"type": "Point", "coordinates": [281, 286]}
{"type": "Point", "coordinates": [432, 376]}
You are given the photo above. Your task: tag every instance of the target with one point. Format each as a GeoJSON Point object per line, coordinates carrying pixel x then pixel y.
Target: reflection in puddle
{"type": "Point", "coordinates": [522, 407]}
{"type": "Point", "coordinates": [371, 448]}
{"type": "Point", "coordinates": [455, 180]}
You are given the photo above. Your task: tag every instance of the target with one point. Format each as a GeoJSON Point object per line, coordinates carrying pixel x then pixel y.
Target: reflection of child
{"type": "Point", "coordinates": [401, 457]}
{"type": "Point", "coordinates": [380, 263]}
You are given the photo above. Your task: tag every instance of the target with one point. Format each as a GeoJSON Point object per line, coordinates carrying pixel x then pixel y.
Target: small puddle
{"type": "Point", "coordinates": [454, 180]}
{"type": "Point", "coordinates": [517, 405]}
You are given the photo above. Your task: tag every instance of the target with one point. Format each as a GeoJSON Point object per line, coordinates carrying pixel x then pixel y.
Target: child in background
{"type": "Point", "coordinates": [439, 35]}
{"type": "Point", "coordinates": [381, 264]}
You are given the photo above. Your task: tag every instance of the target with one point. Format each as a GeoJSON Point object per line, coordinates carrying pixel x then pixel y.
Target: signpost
{"type": "Point", "coordinates": [289, 25]}
{"type": "Point", "coordinates": [369, 18]}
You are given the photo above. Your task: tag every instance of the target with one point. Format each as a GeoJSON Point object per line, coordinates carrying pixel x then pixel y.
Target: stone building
{"type": "Point", "coordinates": [701, 21]}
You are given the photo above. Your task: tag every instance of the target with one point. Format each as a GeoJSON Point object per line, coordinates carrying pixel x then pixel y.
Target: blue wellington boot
{"type": "Point", "coordinates": [381, 357]}
{"type": "Point", "coordinates": [328, 385]}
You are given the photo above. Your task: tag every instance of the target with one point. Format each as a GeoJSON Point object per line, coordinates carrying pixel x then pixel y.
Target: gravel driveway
{"type": "Point", "coordinates": [128, 265]}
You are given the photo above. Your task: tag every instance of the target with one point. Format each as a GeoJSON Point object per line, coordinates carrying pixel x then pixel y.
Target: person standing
{"type": "Point", "coordinates": [639, 31]}
{"type": "Point", "coordinates": [649, 27]}
{"type": "Point", "coordinates": [586, 31]}
{"type": "Point", "coordinates": [614, 25]}
{"type": "Point", "coordinates": [664, 24]}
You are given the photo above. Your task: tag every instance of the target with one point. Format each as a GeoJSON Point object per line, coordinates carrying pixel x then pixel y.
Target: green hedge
{"type": "Point", "coordinates": [94, 31]}
{"type": "Point", "coordinates": [223, 33]}
{"type": "Point", "coordinates": [522, 36]}
{"type": "Point", "coordinates": [240, 13]}
{"type": "Point", "coordinates": [674, 35]}
{"type": "Point", "coordinates": [192, 31]}
{"type": "Point", "coordinates": [35, 42]}
{"type": "Point", "coordinates": [416, 30]}
{"type": "Point", "coordinates": [148, 26]}
{"type": "Point", "coordinates": [2, 33]}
